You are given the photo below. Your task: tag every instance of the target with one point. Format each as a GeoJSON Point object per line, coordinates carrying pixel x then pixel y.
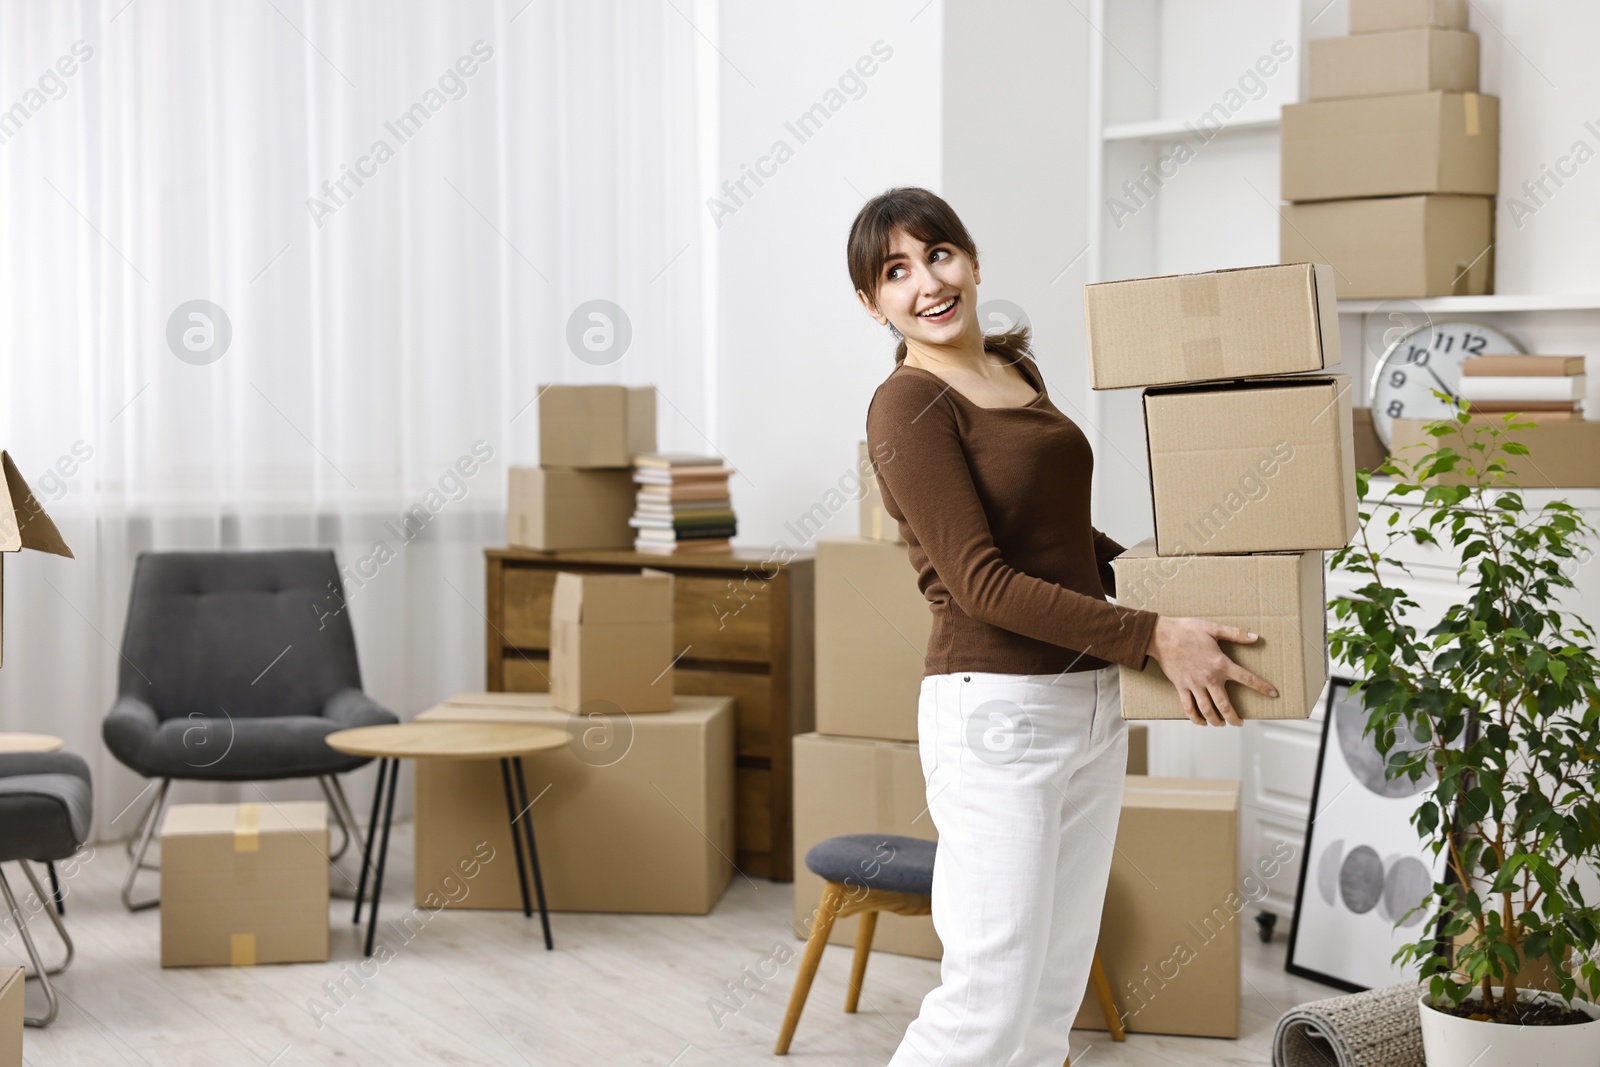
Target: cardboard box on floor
{"type": "Point", "coordinates": [872, 634]}
{"type": "Point", "coordinates": [1202, 327]}
{"type": "Point", "coordinates": [550, 508]}
{"type": "Point", "coordinates": [853, 785]}
{"type": "Point", "coordinates": [637, 816]}
{"type": "Point", "coordinates": [1391, 146]}
{"type": "Point", "coordinates": [595, 425]}
{"type": "Point", "coordinates": [23, 522]}
{"type": "Point", "coordinates": [1170, 928]}
{"type": "Point", "coordinates": [1561, 455]}
{"type": "Point", "coordinates": [876, 523]}
{"type": "Point", "coordinates": [611, 640]}
{"type": "Point", "coordinates": [1417, 60]}
{"type": "Point", "coordinates": [1376, 16]}
{"type": "Point", "coordinates": [11, 1012]}
{"type": "Point", "coordinates": [1277, 595]}
{"type": "Point", "coordinates": [1253, 466]}
{"type": "Point", "coordinates": [243, 884]}
{"type": "Point", "coordinates": [1397, 247]}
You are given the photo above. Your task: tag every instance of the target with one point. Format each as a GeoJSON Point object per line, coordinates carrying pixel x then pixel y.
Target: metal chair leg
{"type": "Point", "coordinates": [55, 919]}
{"type": "Point", "coordinates": [338, 817]}
{"type": "Point", "coordinates": [347, 814]}
{"type": "Point", "coordinates": [55, 888]}
{"type": "Point", "coordinates": [40, 971]}
{"type": "Point", "coordinates": [147, 829]}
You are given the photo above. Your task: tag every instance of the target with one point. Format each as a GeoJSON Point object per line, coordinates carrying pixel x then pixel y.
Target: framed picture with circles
{"type": "Point", "coordinates": [1363, 866]}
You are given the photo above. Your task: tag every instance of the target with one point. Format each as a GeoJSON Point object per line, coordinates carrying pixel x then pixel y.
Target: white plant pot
{"type": "Point", "coordinates": [1451, 1041]}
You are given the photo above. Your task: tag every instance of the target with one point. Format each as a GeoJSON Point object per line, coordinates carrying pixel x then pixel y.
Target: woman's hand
{"type": "Point", "coordinates": [1192, 660]}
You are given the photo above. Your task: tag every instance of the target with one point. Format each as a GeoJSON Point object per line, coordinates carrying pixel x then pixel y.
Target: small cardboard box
{"type": "Point", "coordinates": [1369, 451]}
{"type": "Point", "coordinates": [243, 884]}
{"type": "Point", "coordinates": [876, 523]}
{"type": "Point", "coordinates": [11, 1012]}
{"type": "Point", "coordinates": [635, 815]}
{"type": "Point", "coordinates": [23, 522]}
{"type": "Point", "coordinates": [1277, 595]}
{"type": "Point", "coordinates": [550, 508]}
{"type": "Point", "coordinates": [595, 425]}
{"type": "Point", "coordinates": [850, 785]}
{"type": "Point", "coordinates": [1377, 16]}
{"type": "Point", "coordinates": [1391, 146]}
{"type": "Point", "coordinates": [1221, 324]}
{"type": "Point", "coordinates": [1253, 466]}
{"type": "Point", "coordinates": [1397, 247]}
{"type": "Point", "coordinates": [872, 632]}
{"type": "Point", "coordinates": [1171, 926]}
{"type": "Point", "coordinates": [1561, 455]}
{"type": "Point", "coordinates": [1418, 60]}
{"type": "Point", "coordinates": [611, 640]}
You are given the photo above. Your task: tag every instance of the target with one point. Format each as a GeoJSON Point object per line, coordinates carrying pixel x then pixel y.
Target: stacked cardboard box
{"type": "Point", "coordinates": [861, 771]}
{"type": "Point", "coordinates": [1252, 467]}
{"type": "Point", "coordinates": [611, 641]}
{"type": "Point", "coordinates": [582, 493]}
{"type": "Point", "coordinates": [1392, 166]}
{"type": "Point", "coordinates": [683, 504]}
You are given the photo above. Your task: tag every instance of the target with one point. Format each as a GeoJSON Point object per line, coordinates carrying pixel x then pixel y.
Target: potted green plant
{"type": "Point", "coordinates": [1498, 704]}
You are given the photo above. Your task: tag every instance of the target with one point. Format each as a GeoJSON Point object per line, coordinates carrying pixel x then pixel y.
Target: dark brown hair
{"type": "Point", "coordinates": [925, 216]}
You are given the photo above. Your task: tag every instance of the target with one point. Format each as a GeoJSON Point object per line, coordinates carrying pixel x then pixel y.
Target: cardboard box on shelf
{"type": "Point", "coordinates": [1277, 595]}
{"type": "Point", "coordinates": [23, 522]}
{"type": "Point", "coordinates": [1561, 455]}
{"type": "Point", "coordinates": [1417, 60]}
{"type": "Point", "coordinates": [636, 815]}
{"type": "Point", "coordinates": [1404, 145]}
{"type": "Point", "coordinates": [1171, 926]}
{"type": "Point", "coordinates": [550, 508]}
{"type": "Point", "coordinates": [1369, 451]}
{"type": "Point", "coordinates": [852, 785]}
{"type": "Point", "coordinates": [1252, 466]}
{"type": "Point", "coordinates": [1377, 16]}
{"type": "Point", "coordinates": [872, 635]}
{"type": "Point", "coordinates": [595, 425]}
{"type": "Point", "coordinates": [243, 884]}
{"type": "Point", "coordinates": [1221, 324]}
{"type": "Point", "coordinates": [611, 640]}
{"type": "Point", "coordinates": [1397, 247]}
{"type": "Point", "coordinates": [11, 1012]}
{"type": "Point", "coordinates": [876, 523]}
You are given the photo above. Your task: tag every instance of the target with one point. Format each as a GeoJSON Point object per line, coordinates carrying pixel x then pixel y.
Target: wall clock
{"type": "Point", "coordinates": [1422, 360]}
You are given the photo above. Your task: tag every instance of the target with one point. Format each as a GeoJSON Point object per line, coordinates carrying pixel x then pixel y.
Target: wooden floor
{"type": "Point", "coordinates": [479, 988]}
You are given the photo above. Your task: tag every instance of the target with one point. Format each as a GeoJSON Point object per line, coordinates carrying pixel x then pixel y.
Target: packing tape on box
{"type": "Point", "coordinates": [1469, 102]}
{"type": "Point", "coordinates": [241, 950]}
{"type": "Point", "coordinates": [1200, 298]}
{"type": "Point", "coordinates": [247, 830]}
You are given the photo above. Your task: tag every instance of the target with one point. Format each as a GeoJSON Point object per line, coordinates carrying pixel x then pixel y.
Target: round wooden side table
{"type": "Point", "coordinates": [389, 744]}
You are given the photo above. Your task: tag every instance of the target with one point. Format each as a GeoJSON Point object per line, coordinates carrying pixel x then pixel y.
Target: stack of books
{"type": "Point", "coordinates": [682, 504]}
{"type": "Point", "coordinates": [1539, 388]}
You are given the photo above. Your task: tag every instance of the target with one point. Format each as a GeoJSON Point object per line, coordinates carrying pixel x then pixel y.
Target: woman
{"type": "Point", "coordinates": [1021, 737]}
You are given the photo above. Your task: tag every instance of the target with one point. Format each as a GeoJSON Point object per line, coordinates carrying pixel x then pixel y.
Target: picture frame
{"type": "Point", "coordinates": [1363, 864]}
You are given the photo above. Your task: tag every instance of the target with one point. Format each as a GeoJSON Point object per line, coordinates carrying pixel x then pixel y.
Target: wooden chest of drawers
{"type": "Point", "coordinates": [742, 627]}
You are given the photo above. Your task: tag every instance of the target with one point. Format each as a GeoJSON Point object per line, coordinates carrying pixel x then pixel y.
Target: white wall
{"type": "Point", "coordinates": [798, 359]}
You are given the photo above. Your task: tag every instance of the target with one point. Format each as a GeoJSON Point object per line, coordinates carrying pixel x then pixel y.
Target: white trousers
{"type": "Point", "coordinates": [1024, 783]}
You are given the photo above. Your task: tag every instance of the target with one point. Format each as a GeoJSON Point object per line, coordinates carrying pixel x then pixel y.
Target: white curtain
{"type": "Point", "coordinates": [396, 208]}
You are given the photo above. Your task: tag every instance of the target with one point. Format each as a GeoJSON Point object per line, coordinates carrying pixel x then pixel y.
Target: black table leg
{"type": "Point", "coordinates": [383, 852]}
{"type": "Point", "coordinates": [55, 888]}
{"type": "Point", "coordinates": [533, 853]}
{"type": "Point", "coordinates": [372, 831]}
{"type": "Point", "coordinates": [516, 842]}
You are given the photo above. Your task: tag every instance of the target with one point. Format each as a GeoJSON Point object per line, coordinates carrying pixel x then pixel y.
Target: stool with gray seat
{"type": "Point", "coordinates": [46, 805]}
{"type": "Point", "coordinates": [870, 873]}
{"type": "Point", "coordinates": [235, 666]}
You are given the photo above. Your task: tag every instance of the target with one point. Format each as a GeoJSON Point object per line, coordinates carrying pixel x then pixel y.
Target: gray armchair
{"type": "Point", "coordinates": [46, 806]}
{"type": "Point", "coordinates": [235, 666]}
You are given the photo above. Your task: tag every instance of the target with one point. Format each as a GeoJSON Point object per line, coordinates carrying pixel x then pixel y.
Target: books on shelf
{"type": "Point", "coordinates": [682, 504]}
{"type": "Point", "coordinates": [1544, 388]}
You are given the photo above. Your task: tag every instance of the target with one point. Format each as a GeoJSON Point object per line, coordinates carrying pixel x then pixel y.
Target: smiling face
{"type": "Point", "coordinates": [928, 292]}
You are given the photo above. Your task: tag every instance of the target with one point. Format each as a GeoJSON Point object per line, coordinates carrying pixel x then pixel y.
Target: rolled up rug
{"type": "Point", "coordinates": [1377, 1028]}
